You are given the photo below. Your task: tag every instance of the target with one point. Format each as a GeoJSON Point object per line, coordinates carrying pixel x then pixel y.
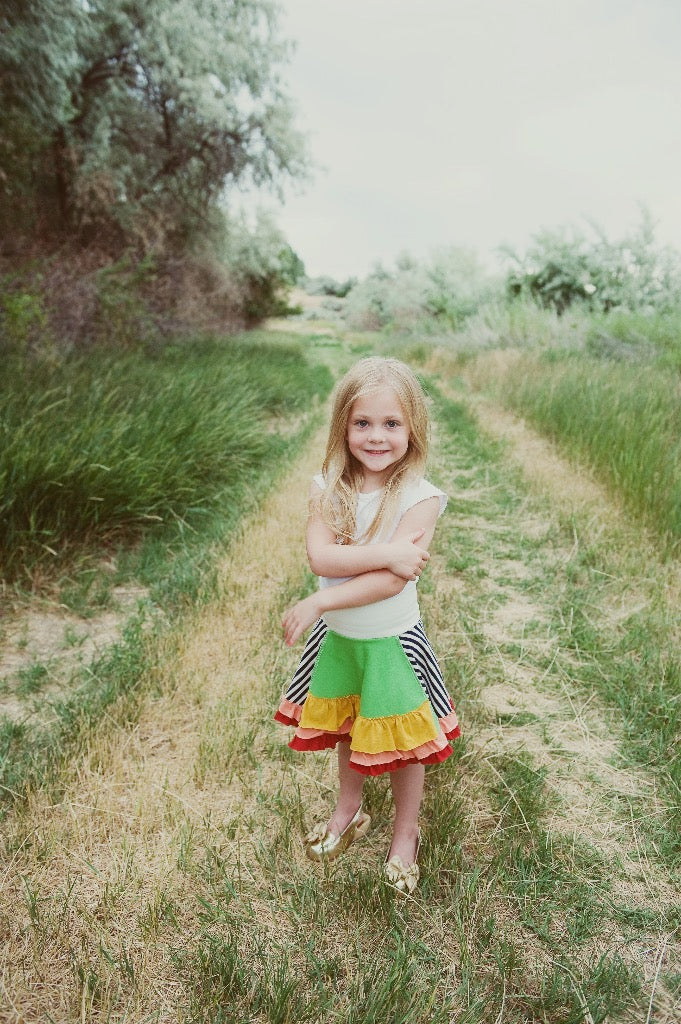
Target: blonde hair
{"type": "Point", "coordinates": [343, 474]}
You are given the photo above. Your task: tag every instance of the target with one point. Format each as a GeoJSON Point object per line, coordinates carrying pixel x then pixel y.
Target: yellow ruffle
{"type": "Point", "coordinates": [328, 714]}
{"type": "Point", "coordinates": [370, 735]}
{"type": "Point", "coordinates": [395, 732]}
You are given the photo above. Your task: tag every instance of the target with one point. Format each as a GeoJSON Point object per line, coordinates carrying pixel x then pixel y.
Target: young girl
{"type": "Point", "coordinates": [368, 680]}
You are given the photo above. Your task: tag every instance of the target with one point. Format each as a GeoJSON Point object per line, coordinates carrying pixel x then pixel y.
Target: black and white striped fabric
{"type": "Point", "coordinates": [300, 684]}
{"type": "Point", "coordinates": [415, 645]}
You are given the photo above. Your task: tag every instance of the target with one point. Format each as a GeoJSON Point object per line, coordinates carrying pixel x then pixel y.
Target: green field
{"type": "Point", "coordinates": [156, 871]}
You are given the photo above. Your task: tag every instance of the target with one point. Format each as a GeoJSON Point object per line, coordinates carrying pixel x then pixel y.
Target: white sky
{"type": "Point", "coordinates": [478, 122]}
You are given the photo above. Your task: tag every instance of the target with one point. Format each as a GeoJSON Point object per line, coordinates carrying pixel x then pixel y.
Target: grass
{"type": "Point", "coordinates": [560, 886]}
{"type": "Point", "coordinates": [190, 437]}
{"type": "Point", "coordinates": [652, 337]}
{"type": "Point", "coordinates": [169, 882]}
{"type": "Point", "coordinates": [32, 751]}
{"type": "Point", "coordinates": [636, 669]}
{"type": "Point", "coordinates": [622, 420]}
{"type": "Point", "coordinates": [604, 387]}
{"type": "Point", "coordinates": [632, 664]}
{"type": "Point", "coordinates": [107, 445]}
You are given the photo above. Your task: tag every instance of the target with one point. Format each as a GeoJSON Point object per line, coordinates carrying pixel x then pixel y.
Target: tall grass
{"type": "Point", "coordinates": [619, 336]}
{"type": "Point", "coordinates": [605, 387]}
{"type": "Point", "coordinates": [111, 443]}
{"type": "Point", "coordinates": [653, 337]}
{"type": "Point", "coordinates": [185, 437]}
{"type": "Point", "coordinates": [522, 324]}
{"type": "Point", "coordinates": [622, 419]}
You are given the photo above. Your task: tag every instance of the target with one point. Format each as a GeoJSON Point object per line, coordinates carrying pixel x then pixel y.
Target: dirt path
{"type": "Point", "coordinates": [105, 855]}
{"type": "Point", "coordinates": [186, 827]}
{"type": "Point", "coordinates": [529, 704]}
{"type": "Point", "coordinates": [572, 730]}
{"type": "Point", "coordinates": [514, 605]}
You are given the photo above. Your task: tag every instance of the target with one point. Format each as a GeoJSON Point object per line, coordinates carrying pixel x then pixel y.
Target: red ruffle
{"type": "Point", "coordinates": [391, 766]}
{"type": "Point", "coordinates": [284, 719]}
{"type": "Point", "coordinates": [323, 741]}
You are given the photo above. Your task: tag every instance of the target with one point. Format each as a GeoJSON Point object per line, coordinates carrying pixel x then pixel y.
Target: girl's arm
{"type": "Point", "coordinates": [364, 588]}
{"type": "Point", "coordinates": [401, 555]}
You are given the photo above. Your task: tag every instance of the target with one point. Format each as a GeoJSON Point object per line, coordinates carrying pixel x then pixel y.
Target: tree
{"type": "Point", "coordinates": [39, 62]}
{"type": "Point", "coordinates": [128, 119]}
{"type": "Point", "coordinates": [292, 267]}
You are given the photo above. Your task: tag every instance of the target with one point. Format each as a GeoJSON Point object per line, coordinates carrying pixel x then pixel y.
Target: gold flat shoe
{"type": "Point", "coordinates": [403, 877]}
{"type": "Point", "coordinates": [320, 844]}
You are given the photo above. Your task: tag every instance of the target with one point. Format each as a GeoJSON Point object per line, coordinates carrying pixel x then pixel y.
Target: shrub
{"type": "Point", "coordinates": [329, 286]}
{"type": "Point", "coordinates": [562, 268]}
{"type": "Point", "coordinates": [236, 276]}
{"type": "Point", "coordinates": [23, 320]}
{"type": "Point", "coordinates": [432, 296]}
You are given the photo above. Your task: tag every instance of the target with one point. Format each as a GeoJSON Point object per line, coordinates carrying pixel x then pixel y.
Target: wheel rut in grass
{"type": "Point", "coordinates": [44, 646]}
{"type": "Point", "coordinates": [534, 720]}
{"type": "Point", "coordinates": [519, 562]}
{"type": "Point", "coordinates": [102, 862]}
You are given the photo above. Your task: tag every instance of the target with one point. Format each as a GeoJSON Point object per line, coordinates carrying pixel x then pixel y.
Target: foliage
{"type": "Point", "coordinates": [260, 261]}
{"type": "Point", "coordinates": [561, 269]}
{"type": "Point", "coordinates": [39, 66]}
{"type": "Point", "coordinates": [121, 316]}
{"type": "Point", "coordinates": [436, 295]}
{"type": "Point", "coordinates": [329, 286]}
{"type": "Point", "coordinates": [129, 119]}
{"type": "Point", "coordinates": [238, 273]}
{"type": "Point", "coordinates": [23, 319]}
{"type": "Point", "coordinates": [120, 443]}
{"type": "Point", "coordinates": [617, 337]}
{"type": "Point", "coordinates": [291, 267]}
{"type": "Point", "coordinates": [637, 336]}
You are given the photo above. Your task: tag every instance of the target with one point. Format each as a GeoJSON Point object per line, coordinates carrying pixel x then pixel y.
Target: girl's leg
{"type": "Point", "coordinates": [407, 787]}
{"type": "Point", "coordinates": [350, 792]}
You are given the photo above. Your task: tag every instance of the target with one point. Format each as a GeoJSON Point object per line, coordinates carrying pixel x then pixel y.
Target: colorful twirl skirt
{"type": "Point", "coordinates": [385, 696]}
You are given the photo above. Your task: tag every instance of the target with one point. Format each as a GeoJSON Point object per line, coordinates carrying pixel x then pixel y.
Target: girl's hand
{"type": "Point", "coordinates": [300, 617]}
{"type": "Point", "coordinates": [406, 559]}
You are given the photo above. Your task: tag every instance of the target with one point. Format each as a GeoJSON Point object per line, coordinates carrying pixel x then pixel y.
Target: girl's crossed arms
{"type": "Point", "coordinates": [379, 571]}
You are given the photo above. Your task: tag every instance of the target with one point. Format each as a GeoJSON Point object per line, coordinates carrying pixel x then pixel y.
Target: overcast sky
{"type": "Point", "coordinates": [478, 122]}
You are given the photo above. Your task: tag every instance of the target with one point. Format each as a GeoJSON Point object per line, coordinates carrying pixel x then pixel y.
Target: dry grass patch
{"type": "Point", "coordinates": [109, 865]}
{"type": "Point", "coordinates": [44, 645]}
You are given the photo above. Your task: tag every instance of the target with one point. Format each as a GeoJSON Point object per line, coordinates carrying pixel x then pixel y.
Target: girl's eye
{"type": "Point", "coordinates": [361, 423]}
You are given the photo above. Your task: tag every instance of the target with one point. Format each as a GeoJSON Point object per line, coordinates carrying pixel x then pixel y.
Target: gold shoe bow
{"type": "Point", "coordinates": [321, 844]}
{"type": "Point", "coordinates": [405, 879]}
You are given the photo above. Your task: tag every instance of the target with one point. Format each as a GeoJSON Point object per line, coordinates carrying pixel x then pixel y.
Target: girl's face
{"type": "Point", "coordinates": [377, 435]}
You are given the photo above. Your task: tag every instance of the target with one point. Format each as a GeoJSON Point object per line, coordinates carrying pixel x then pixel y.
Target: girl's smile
{"type": "Point", "coordinates": [377, 435]}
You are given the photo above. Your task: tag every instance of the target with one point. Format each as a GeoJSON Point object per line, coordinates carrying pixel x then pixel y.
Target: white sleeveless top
{"type": "Point", "coordinates": [396, 614]}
